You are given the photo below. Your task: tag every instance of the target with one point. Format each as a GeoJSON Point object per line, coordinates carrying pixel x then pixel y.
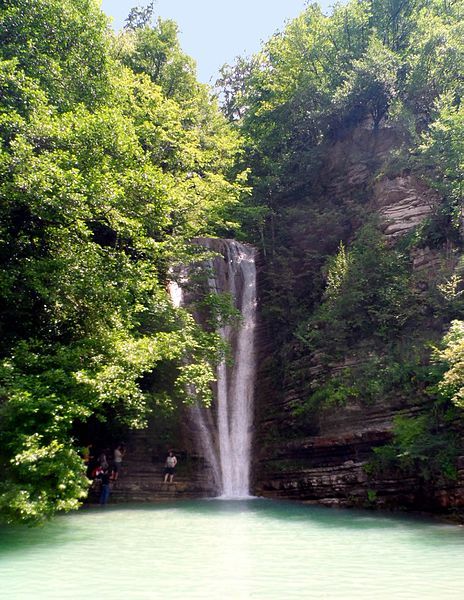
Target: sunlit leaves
{"type": "Point", "coordinates": [107, 170]}
{"type": "Point", "coordinates": [337, 272]}
{"type": "Point", "coordinates": [442, 149]}
{"type": "Point", "coordinates": [45, 478]}
{"type": "Point", "coordinates": [452, 354]}
{"type": "Point", "coordinates": [62, 44]}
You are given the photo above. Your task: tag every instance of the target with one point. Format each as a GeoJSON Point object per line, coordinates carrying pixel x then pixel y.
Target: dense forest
{"type": "Point", "coordinates": [113, 157]}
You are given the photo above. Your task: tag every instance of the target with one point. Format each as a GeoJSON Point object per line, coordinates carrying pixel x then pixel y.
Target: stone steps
{"type": "Point", "coordinates": [150, 487]}
{"type": "Point", "coordinates": [141, 477]}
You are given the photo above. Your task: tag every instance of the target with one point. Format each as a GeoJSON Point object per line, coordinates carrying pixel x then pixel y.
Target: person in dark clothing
{"type": "Point", "coordinates": [103, 460]}
{"type": "Point", "coordinates": [104, 477]}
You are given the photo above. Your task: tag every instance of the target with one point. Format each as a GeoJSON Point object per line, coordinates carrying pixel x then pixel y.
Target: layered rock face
{"type": "Point", "coordinates": [330, 467]}
{"type": "Point", "coordinates": [325, 461]}
{"type": "Point", "coordinates": [403, 203]}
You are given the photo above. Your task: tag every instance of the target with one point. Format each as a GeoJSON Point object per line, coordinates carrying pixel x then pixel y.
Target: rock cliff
{"type": "Point", "coordinates": [325, 459]}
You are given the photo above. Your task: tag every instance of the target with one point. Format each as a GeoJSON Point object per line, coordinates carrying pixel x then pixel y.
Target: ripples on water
{"type": "Point", "coordinates": [232, 550]}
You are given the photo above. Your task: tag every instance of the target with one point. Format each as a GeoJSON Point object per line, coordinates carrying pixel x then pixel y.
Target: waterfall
{"type": "Point", "coordinates": [225, 431]}
{"type": "Point", "coordinates": [236, 383]}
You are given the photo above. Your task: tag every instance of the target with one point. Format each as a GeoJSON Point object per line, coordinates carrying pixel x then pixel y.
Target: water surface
{"type": "Point", "coordinates": [232, 550]}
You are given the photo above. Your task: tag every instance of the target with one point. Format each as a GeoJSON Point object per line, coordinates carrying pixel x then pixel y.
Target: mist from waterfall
{"type": "Point", "coordinates": [225, 430]}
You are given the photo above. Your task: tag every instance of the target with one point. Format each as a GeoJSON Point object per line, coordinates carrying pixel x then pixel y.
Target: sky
{"type": "Point", "coordinates": [214, 32]}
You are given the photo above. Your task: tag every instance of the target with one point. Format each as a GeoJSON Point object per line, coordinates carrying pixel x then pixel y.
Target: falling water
{"type": "Point", "coordinates": [225, 431]}
{"type": "Point", "coordinates": [235, 384]}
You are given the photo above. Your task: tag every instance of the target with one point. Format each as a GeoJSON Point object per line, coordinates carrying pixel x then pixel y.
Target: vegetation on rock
{"type": "Point", "coordinates": [331, 106]}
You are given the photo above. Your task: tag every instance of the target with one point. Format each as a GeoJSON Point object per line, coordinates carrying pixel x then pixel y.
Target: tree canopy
{"type": "Point", "coordinates": [112, 158]}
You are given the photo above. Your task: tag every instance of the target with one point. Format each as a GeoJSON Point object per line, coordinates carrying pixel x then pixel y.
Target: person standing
{"type": "Point", "coordinates": [170, 467]}
{"type": "Point", "coordinates": [104, 477]}
{"type": "Point", "coordinates": [118, 456]}
{"type": "Point", "coordinates": [87, 457]}
{"type": "Point", "coordinates": [102, 460]}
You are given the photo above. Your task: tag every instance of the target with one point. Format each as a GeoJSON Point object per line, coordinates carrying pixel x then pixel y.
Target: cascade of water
{"type": "Point", "coordinates": [225, 433]}
{"type": "Point", "coordinates": [235, 409]}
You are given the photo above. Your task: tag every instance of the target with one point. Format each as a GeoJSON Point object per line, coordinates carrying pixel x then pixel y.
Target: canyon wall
{"type": "Point", "coordinates": [325, 459]}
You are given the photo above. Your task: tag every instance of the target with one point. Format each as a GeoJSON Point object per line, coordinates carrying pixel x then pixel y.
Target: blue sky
{"type": "Point", "coordinates": [214, 32]}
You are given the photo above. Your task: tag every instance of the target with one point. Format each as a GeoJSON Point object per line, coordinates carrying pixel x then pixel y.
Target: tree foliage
{"type": "Point", "coordinates": [112, 157]}
{"type": "Point", "coordinates": [452, 355]}
{"type": "Point", "coordinates": [368, 294]}
{"type": "Point", "coordinates": [63, 46]}
{"type": "Point", "coordinates": [367, 61]}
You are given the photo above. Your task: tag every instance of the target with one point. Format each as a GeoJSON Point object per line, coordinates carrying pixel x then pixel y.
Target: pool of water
{"type": "Point", "coordinates": [232, 550]}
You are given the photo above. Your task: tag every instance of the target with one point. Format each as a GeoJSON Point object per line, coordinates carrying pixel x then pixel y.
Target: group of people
{"type": "Point", "coordinates": [100, 470]}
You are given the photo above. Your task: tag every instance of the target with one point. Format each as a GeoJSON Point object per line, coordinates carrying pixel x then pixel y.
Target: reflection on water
{"type": "Point", "coordinates": [233, 550]}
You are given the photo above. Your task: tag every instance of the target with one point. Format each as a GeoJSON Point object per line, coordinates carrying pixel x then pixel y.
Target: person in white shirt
{"type": "Point", "coordinates": [118, 456]}
{"type": "Point", "coordinates": [170, 467]}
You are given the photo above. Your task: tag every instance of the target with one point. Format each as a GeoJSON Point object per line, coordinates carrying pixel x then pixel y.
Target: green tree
{"type": "Point", "coordinates": [104, 180]}
{"type": "Point", "coordinates": [442, 151]}
{"type": "Point", "coordinates": [62, 44]}
{"type": "Point", "coordinates": [368, 294]}
{"type": "Point", "coordinates": [371, 85]}
{"type": "Point", "coordinates": [434, 61]}
{"type": "Point", "coordinates": [452, 355]}
{"type": "Point", "coordinates": [156, 51]}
